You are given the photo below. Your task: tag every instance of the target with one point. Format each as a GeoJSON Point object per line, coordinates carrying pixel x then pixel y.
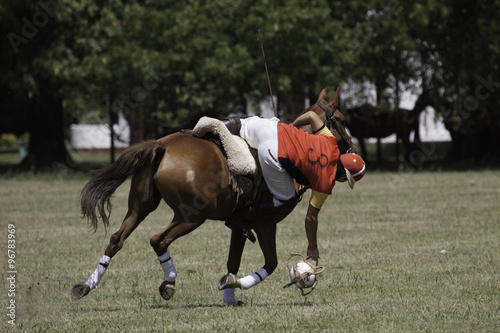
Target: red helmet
{"type": "Point", "coordinates": [354, 167]}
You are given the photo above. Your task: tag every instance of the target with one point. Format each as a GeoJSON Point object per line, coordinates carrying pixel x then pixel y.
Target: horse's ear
{"type": "Point", "coordinates": [322, 95]}
{"type": "Point", "coordinates": [335, 98]}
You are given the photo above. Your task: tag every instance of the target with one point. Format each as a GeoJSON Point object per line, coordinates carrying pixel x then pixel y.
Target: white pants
{"type": "Point", "coordinates": [262, 134]}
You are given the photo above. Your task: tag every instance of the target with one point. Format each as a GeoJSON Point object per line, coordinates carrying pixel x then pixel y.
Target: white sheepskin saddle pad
{"type": "Point", "coordinates": [239, 158]}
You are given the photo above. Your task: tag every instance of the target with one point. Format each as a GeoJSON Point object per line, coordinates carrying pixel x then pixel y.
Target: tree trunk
{"type": "Point", "coordinates": [47, 150]}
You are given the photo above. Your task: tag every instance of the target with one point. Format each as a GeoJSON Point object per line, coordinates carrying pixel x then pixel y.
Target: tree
{"type": "Point", "coordinates": [167, 63]}
{"type": "Point", "coordinates": [460, 43]}
{"type": "Point", "coordinates": [53, 61]}
{"type": "Point", "coordinates": [61, 59]}
{"type": "Point", "coordinates": [27, 61]}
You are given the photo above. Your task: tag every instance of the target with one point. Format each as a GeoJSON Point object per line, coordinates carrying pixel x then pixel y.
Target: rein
{"type": "Point", "coordinates": [333, 123]}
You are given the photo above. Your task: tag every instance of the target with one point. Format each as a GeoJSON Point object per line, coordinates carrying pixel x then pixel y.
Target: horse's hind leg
{"type": "Point", "coordinates": [143, 199]}
{"type": "Point", "coordinates": [160, 243]}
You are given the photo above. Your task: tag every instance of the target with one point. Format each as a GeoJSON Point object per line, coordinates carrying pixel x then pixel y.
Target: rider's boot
{"type": "Point", "coordinates": [233, 123]}
{"type": "Point", "coordinates": [242, 219]}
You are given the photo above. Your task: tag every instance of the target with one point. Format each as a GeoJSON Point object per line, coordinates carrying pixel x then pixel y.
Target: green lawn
{"type": "Point", "coordinates": [403, 252]}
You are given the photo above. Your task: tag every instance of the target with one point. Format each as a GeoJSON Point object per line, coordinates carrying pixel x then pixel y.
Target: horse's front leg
{"type": "Point", "coordinates": [266, 234]}
{"type": "Point", "coordinates": [236, 247]}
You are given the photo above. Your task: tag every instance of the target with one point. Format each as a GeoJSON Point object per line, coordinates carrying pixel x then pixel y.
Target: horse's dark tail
{"type": "Point", "coordinates": [96, 195]}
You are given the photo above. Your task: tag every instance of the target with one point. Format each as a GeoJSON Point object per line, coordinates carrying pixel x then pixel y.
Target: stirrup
{"type": "Point", "coordinates": [237, 225]}
{"type": "Point", "coordinates": [249, 234]}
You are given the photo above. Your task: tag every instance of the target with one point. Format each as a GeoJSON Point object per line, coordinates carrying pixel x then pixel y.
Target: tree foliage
{"type": "Point", "coordinates": [166, 63]}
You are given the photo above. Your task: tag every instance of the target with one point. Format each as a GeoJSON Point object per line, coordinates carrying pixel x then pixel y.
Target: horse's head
{"type": "Point", "coordinates": [334, 120]}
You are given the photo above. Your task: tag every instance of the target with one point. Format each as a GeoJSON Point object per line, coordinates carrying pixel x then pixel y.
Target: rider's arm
{"type": "Point", "coordinates": [324, 131]}
{"type": "Point", "coordinates": [315, 203]}
{"type": "Point", "coordinates": [309, 118]}
{"type": "Point", "coordinates": [311, 225]}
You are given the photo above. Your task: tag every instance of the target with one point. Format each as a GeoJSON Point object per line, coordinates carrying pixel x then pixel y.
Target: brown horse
{"type": "Point", "coordinates": [191, 176]}
{"type": "Point", "coordinates": [368, 121]}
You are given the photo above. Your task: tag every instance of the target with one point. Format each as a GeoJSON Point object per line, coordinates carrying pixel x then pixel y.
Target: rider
{"type": "Point", "coordinates": [287, 153]}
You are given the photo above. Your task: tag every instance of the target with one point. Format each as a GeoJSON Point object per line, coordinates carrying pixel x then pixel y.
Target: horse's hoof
{"type": "Point", "coordinates": [167, 290]}
{"type": "Point", "coordinates": [229, 281]}
{"type": "Point", "coordinates": [80, 290]}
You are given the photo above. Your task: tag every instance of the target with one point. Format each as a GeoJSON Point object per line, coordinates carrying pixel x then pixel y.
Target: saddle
{"type": "Point", "coordinates": [242, 161]}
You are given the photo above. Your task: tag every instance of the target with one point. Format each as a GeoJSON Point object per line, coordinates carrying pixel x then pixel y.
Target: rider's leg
{"type": "Point", "coordinates": [256, 130]}
{"type": "Point", "coordinates": [280, 185]}
{"type": "Point", "coordinates": [262, 134]}
{"type": "Point", "coordinates": [233, 123]}
{"type": "Point", "coordinates": [242, 219]}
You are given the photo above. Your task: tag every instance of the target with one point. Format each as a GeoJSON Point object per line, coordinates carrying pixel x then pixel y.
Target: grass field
{"type": "Point", "coordinates": [404, 252]}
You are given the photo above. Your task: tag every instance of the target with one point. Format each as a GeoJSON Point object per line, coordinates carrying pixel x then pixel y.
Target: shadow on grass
{"type": "Point", "coordinates": [219, 305]}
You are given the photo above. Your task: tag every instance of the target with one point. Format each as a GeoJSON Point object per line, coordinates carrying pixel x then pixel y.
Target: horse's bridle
{"type": "Point", "coordinates": [331, 122]}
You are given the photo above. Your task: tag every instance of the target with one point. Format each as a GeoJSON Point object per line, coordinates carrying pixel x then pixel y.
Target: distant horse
{"type": "Point", "coordinates": [191, 175]}
{"type": "Point", "coordinates": [368, 121]}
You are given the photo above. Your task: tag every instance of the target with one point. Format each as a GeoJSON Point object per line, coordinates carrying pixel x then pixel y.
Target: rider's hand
{"type": "Point", "coordinates": [313, 253]}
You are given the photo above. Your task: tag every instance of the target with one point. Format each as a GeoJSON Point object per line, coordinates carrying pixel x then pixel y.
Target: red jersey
{"type": "Point", "coordinates": [310, 159]}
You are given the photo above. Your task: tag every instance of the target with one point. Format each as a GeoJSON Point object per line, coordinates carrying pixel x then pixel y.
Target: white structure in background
{"type": "Point", "coordinates": [431, 127]}
{"type": "Point", "coordinates": [97, 137]}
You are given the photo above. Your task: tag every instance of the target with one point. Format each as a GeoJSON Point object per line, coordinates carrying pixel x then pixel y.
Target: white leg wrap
{"type": "Point", "coordinates": [94, 279]}
{"type": "Point", "coordinates": [229, 297]}
{"type": "Point", "coordinates": [253, 279]}
{"type": "Point", "coordinates": [167, 264]}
